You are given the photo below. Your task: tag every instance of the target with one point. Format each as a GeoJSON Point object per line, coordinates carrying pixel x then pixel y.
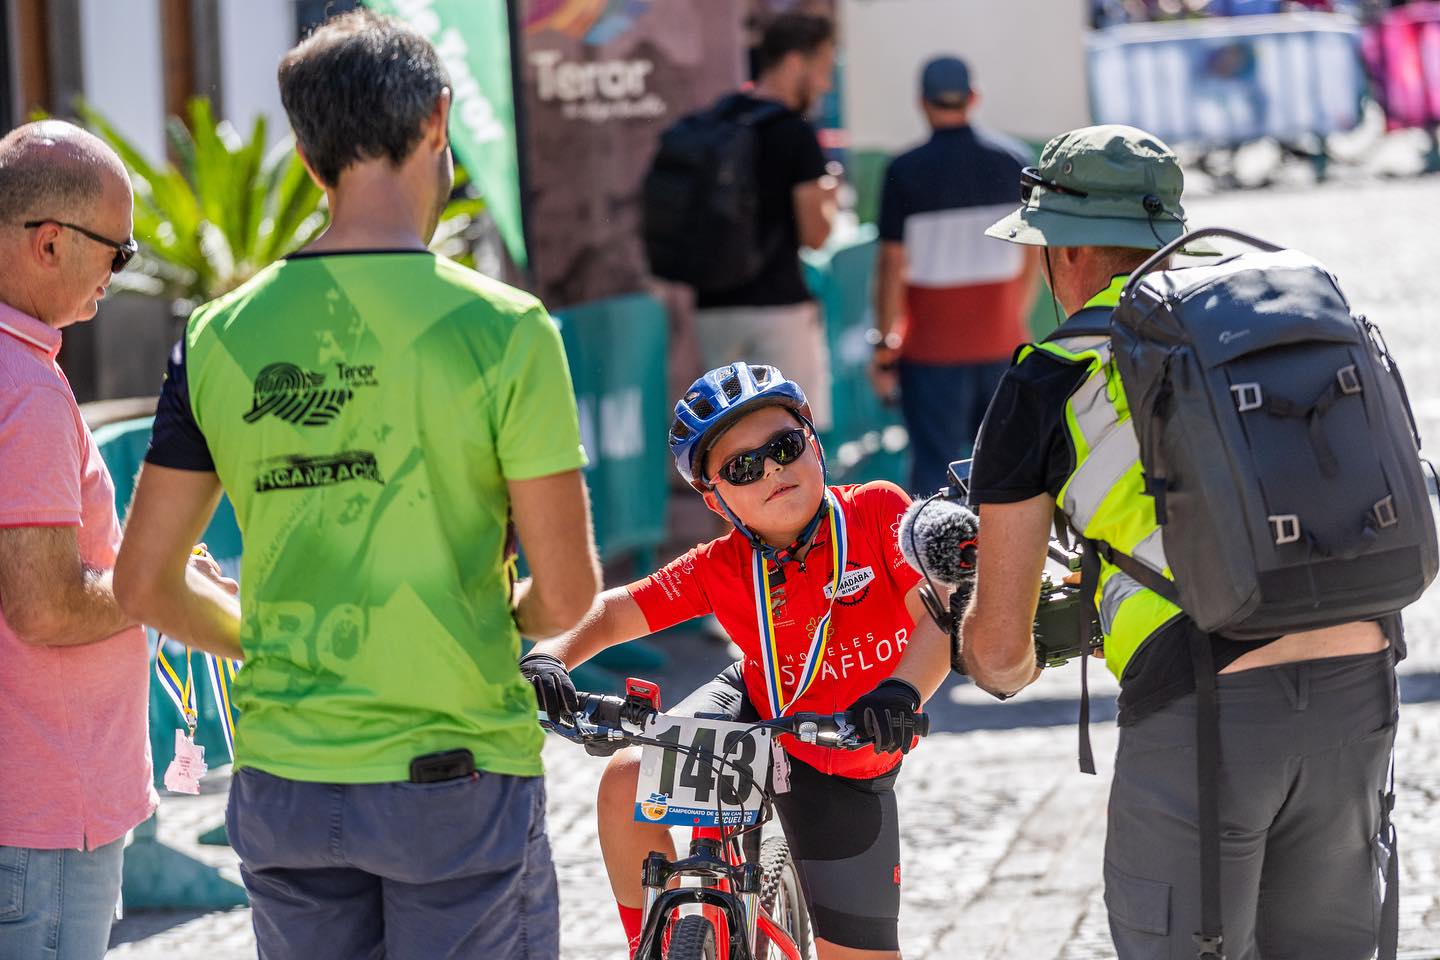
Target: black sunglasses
{"type": "Point", "coordinates": [743, 468]}
{"type": "Point", "coordinates": [124, 250]}
{"type": "Point", "coordinates": [1030, 179]}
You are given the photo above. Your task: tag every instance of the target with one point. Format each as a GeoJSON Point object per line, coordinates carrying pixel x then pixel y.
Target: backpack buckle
{"type": "Point", "coordinates": [1247, 396]}
{"type": "Point", "coordinates": [1385, 513]}
{"type": "Point", "coordinates": [1209, 948]}
{"type": "Point", "coordinates": [1349, 379]}
{"type": "Point", "coordinates": [1285, 527]}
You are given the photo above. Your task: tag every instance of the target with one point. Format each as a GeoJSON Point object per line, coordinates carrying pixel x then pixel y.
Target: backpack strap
{"type": "Point", "coordinates": [1389, 939]}
{"type": "Point", "coordinates": [1209, 940]}
{"type": "Point", "coordinates": [1089, 322]}
{"type": "Point", "coordinates": [1089, 584]}
{"type": "Point", "coordinates": [739, 108]}
{"type": "Point", "coordinates": [1139, 572]}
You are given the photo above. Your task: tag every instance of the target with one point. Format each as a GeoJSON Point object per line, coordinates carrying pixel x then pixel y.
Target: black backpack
{"type": "Point", "coordinates": [1277, 441]}
{"type": "Point", "coordinates": [701, 198]}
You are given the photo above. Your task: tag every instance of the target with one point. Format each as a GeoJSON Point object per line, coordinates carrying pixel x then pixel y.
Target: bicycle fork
{"type": "Point", "coordinates": [730, 912]}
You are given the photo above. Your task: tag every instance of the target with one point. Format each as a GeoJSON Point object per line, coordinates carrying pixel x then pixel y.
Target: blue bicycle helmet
{"type": "Point", "coordinates": [717, 400]}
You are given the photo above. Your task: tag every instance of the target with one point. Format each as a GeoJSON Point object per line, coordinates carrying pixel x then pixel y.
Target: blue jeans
{"type": "Point", "coordinates": [943, 406]}
{"type": "Point", "coordinates": [58, 904]}
{"type": "Point", "coordinates": [456, 869]}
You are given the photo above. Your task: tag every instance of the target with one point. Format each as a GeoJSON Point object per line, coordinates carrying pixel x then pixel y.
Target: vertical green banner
{"type": "Point", "coordinates": [473, 40]}
{"type": "Point", "coordinates": [617, 351]}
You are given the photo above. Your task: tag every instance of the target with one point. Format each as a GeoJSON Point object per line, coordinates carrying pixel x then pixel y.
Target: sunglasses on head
{"type": "Point", "coordinates": [124, 250]}
{"type": "Point", "coordinates": [747, 467]}
{"type": "Point", "coordinates": [1030, 179]}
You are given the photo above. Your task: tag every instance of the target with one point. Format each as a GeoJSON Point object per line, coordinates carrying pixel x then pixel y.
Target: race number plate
{"type": "Point", "coordinates": [679, 788]}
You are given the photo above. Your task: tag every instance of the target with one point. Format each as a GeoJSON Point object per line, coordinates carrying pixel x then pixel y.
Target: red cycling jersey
{"type": "Point", "coordinates": [869, 628]}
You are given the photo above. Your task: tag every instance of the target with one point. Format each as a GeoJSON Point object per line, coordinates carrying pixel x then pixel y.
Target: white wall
{"type": "Point", "coordinates": [254, 35]}
{"type": "Point", "coordinates": [122, 68]}
{"type": "Point", "coordinates": [1026, 57]}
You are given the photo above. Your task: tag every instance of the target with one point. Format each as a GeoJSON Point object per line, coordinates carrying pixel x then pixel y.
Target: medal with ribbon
{"type": "Point", "coordinates": [222, 672]}
{"type": "Point", "coordinates": [765, 616]}
{"type": "Point", "coordinates": [185, 770]}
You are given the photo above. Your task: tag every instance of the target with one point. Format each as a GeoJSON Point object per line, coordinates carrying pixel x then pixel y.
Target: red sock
{"type": "Point", "coordinates": [630, 918]}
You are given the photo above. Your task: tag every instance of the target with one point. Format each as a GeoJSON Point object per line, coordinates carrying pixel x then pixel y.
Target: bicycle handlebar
{"type": "Point", "coordinates": [610, 718]}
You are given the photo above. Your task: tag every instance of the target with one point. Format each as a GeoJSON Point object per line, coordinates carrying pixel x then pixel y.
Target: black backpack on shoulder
{"type": "Point", "coordinates": [701, 198]}
{"type": "Point", "coordinates": [1277, 442]}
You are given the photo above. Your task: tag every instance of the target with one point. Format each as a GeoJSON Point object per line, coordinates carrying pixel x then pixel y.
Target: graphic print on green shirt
{"type": "Point", "coordinates": [364, 412]}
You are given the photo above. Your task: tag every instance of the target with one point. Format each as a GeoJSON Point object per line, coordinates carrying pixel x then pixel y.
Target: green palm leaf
{"type": "Point", "coordinates": [222, 207]}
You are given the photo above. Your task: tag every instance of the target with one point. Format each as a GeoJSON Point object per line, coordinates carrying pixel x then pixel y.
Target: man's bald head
{"type": "Point", "coordinates": [53, 169]}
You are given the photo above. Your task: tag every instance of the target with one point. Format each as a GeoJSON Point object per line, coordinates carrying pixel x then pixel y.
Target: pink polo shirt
{"type": "Point", "coordinates": [74, 749]}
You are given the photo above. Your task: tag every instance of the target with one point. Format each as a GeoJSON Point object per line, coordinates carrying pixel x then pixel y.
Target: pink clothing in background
{"type": "Point", "coordinates": [74, 749]}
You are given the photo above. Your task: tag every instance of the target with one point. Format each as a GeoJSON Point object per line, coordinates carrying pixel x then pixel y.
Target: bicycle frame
{"type": "Point", "coordinates": [729, 895]}
{"type": "Point", "coordinates": [729, 898]}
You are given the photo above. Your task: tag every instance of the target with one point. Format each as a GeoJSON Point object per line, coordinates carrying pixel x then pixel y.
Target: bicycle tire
{"type": "Point", "coordinates": [692, 938]}
{"type": "Point", "coordinates": [783, 898]}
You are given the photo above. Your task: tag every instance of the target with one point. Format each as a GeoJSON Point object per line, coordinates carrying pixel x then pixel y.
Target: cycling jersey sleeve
{"type": "Point", "coordinates": [885, 503]}
{"type": "Point", "coordinates": [175, 439]}
{"type": "Point", "coordinates": [674, 593]}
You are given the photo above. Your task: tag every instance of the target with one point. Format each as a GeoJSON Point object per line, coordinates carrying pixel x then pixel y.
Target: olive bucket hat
{"type": "Point", "coordinates": [1105, 186]}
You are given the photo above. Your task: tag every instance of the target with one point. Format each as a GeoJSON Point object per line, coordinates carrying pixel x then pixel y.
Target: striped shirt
{"type": "Point", "coordinates": [965, 292]}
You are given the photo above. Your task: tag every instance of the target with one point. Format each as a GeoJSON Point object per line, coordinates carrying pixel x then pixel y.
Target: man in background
{"type": "Point", "coordinates": [378, 418]}
{"type": "Point", "coordinates": [950, 303]}
{"type": "Point", "coordinates": [770, 317]}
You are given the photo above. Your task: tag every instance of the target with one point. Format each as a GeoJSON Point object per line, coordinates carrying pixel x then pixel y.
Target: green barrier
{"type": "Point", "coordinates": [866, 440]}
{"type": "Point", "coordinates": [617, 353]}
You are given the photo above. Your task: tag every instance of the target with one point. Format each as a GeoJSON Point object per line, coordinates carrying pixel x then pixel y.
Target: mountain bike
{"type": "Point", "coordinates": [751, 906]}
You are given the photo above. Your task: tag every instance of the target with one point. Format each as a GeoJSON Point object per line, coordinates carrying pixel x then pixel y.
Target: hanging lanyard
{"type": "Point", "coordinates": [222, 673]}
{"type": "Point", "coordinates": [765, 615]}
{"type": "Point", "coordinates": [181, 694]}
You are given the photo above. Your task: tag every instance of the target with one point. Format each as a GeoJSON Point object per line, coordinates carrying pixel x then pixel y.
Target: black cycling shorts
{"type": "Point", "coordinates": [844, 834]}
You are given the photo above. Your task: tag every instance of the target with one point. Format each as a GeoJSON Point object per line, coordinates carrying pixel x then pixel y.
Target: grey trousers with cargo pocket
{"type": "Point", "coordinates": [1304, 758]}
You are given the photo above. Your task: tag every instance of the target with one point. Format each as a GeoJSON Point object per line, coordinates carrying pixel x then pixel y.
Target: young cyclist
{"type": "Point", "coordinates": [742, 437]}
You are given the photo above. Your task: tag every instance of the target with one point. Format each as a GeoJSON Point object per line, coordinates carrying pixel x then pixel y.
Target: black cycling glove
{"type": "Point", "coordinates": [554, 690]}
{"type": "Point", "coordinates": [886, 715]}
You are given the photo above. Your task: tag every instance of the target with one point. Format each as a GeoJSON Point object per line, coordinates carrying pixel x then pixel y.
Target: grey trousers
{"type": "Point", "coordinates": [1304, 756]}
{"type": "Point", "coordinates": [396, 871]}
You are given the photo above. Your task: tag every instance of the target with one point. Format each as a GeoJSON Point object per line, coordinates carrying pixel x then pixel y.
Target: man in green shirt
{"type": "Point", "coordinates": [378, 418]}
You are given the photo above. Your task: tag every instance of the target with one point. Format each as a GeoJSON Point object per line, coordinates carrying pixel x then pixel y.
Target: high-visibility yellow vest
{"type": "Point", "coordinates": [1104, 495]}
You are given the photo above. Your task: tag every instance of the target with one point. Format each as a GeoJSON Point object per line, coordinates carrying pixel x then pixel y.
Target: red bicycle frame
{"type": "Point", "coordinates": [766, 927]}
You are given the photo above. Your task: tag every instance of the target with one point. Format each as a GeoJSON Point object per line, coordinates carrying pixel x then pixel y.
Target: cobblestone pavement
{"type": "Point", "coordinates": [1002, 837]}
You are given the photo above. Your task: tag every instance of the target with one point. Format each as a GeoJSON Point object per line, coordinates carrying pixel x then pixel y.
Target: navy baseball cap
{"type": "Point", "coordinates": [945, 82]}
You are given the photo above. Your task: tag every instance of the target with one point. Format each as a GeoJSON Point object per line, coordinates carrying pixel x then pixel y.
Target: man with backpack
{"type": "Point", "coordinates": [734, 192]}
{"type": "Point", "coordinates": [1251, 419]}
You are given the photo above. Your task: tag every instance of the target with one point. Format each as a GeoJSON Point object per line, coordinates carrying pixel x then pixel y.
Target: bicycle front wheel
{"type": "Point", "coordinates": [693, 938]}
{"type": "Point", "coordinates": [782, 898]}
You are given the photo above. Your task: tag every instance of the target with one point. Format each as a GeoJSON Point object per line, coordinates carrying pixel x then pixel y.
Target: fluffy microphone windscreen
{"type": "Point", "coordinates": [934, 537]}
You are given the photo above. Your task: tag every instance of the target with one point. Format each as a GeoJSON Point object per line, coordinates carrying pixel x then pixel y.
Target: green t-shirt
{"type": "Point", "coordinates": [364, 412]}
